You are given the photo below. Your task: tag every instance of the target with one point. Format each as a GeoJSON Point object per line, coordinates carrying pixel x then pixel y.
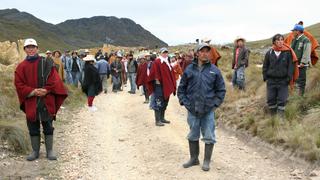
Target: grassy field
{"type": "Point", "coordinates": [247, 111]}
{"type": "Point", "coordinates": [13, 129]}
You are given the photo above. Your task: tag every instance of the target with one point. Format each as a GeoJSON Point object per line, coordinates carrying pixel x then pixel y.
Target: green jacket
{"type": "Point", "coordinates": [302, 48]}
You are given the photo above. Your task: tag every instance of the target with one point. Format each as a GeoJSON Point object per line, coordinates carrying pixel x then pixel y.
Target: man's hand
{"type": "Point", "coordinates": [40, 92]}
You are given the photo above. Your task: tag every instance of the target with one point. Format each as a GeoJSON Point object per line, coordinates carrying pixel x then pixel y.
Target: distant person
{"type": "Point", "coordinates": [104, 72]}
{"type": "Point", "coordinates": [142, 76]}
{"type": "Point", "coordinates": [41, 93]}
{"type": "Point", "coordinates": [116, 70]}
{"type": "Point", "coordinates": [162, 84]}
{"type": "Point", "coordinates": [201, 91]}
{"type": "Point", "coordinates": [98, 54]}
{"type": "Point", "coordinates": [124, 72]}
{"type": "Point", "coordinates": [76, 69]}
{"type": "Point", "coordinates": [91, 85]}
{"type": "Point", "coordinates": [49, 55]}
{"type": "Point", "coordinates": [67, 63]}
{"type": "Point", "coordinates": [132, 68]}
{"type": "Point", "coordinates": [214, 55]}
{"type": "Point", "coordinates": [176, 68]}
{"type": "Point", "coordinates": [302, 48]}
{"type": "Point", "coordinates": [58, 63]}
{"type": "Point", "coordinates": [239, 63]}
{"type": "Point", "coordinates": [278, 70]}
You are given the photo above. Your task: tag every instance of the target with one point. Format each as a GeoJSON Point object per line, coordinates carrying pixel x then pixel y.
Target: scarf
{"type": "Point", "coordinates": [286, 47]}
{"type": "Point", "coordinates": [162, 59]}
{"type": "Point", "coordinates": [32, 58]}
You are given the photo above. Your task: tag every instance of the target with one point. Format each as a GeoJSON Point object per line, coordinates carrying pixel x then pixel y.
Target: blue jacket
{"type": "Point", "coordinates": [103, 67]}
{"type": "Point", "coordinates": [201, 90]}
{"type": "Point", "coordinates": [68, 63]}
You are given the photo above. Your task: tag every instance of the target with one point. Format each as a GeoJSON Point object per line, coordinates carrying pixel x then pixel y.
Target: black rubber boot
{"type": "Point", "coordinates": [49, 143]}
{"type": "Point", "coordinates": [207, 157]}
{"type": "Point", "coordinates": [157, 115]}
{"type": "Point", "coordinates": [163, 120]}
{"type": "Point", "coordinates": [194, 154]}
{"type": "Point", "coordinates": [35, 144]}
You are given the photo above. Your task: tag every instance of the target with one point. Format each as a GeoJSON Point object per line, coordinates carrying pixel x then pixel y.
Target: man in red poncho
{"type": "Point", "coordinates": [142, 76]}
{"type": "Point", "coordinates": [162, 84]}
{"type": "Point", "coordinates": [41, 93]}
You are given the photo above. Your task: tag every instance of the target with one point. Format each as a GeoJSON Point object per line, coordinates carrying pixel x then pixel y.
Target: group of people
{"type": "Point", "coordinates": [194, 76]}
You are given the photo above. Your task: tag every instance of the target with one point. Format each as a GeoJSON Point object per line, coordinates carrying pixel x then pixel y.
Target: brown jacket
{"type": "Point", "coordinates": [243, 57]}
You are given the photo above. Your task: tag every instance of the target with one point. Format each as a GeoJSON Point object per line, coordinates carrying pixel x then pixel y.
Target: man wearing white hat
{"type": "Point", "coordinates": [161, 84]}
{"type": "Point", "coordinates": [41, 93]}
{"type": "Point", "coordinates": [116, 69]}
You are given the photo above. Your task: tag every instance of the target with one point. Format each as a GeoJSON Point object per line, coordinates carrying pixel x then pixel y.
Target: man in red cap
{"type": "Point", "coordinates": [41, 93]}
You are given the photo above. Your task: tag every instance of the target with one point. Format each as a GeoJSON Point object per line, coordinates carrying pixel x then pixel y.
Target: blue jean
{"type": "Point", "coordinates": [76, 77]}
{"type": "Point", "coordinates": [238, 78]}
{"type": "Point", "coordinates": [69, 77]}
{"type": "Point", "coordinates": [205, 125]}
{"type": "Point", "coordinates": [132, 79]}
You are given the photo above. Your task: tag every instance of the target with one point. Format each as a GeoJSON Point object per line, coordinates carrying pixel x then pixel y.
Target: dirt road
{"type": "Point", "coordinates": [120, 141]}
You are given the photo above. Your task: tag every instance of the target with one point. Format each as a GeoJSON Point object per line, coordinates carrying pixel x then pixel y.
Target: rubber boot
{"type": "Point", "coordinates": [194, 154]}
{"type": "Point", "coordinates": [157, 115]}
{"type": "Point", "coordinates": [35, 144]}
{"type": "Point", "coordinates": [207, 157]}
{"type": "Point", "coordinates": [49, 143]}
{"type": "Point", "coordinates": [163, 120]}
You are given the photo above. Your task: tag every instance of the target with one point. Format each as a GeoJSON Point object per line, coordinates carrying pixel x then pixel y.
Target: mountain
{"type": "Point", "coordinates": [77, 33]}
{"type": "Point", "coordinates": [313, 29]}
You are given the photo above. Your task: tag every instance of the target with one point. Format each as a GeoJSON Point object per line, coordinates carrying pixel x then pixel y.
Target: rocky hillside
{"type": "Point", "coordinates": [78, 33]}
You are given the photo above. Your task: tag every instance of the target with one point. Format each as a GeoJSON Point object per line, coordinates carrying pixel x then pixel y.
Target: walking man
{"type": "Point", "coordinates": [132, 67]}
{"type": "Point", "coordinates": [41, 93]}
{"type": "Point", "coordinates": [201, 91]}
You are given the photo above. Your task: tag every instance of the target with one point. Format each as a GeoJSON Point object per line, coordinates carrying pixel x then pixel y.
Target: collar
{"type": "Point", "coordinates": [162, 59]}
{"type": "Point", "coordinates": [299, 36]}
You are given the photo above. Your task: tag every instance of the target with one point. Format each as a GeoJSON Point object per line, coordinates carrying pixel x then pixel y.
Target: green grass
{"type": "Point", "coordinates": [13, 129]}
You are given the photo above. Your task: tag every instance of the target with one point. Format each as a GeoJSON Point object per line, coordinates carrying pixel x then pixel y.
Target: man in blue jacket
{"type": "Point", "coordinates": [201, 91]}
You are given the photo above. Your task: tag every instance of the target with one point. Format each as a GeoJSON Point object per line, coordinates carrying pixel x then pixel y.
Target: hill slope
{"type": "Point", "coordinates": [78, 33]}
{"type": "Point", "coordinates": [313, 29]}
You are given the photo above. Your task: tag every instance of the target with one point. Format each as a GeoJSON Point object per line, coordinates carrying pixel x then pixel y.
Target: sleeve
{"type": "Point", "coordinates": [220, 90]}
{"type": "Point", "coordinates": [306, 56]}
{"type": "Point", "coordinates": [290, 67]}
{"type": "Point", "coordinates": [182, 89]}
{"type": "Point", "coordinates": [265, 66]}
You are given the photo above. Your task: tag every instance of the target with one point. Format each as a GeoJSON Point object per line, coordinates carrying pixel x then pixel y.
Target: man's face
{"type": "Point", "coordinates": [240, 43]}
{"type": "Point", "coordinates": [295, 33]}
{"type": "Point", "coordinates": [279, 43]}
{"type": "Point", "coordinates": [49, 55]}
{"type": "Point", "coordinates": [203, 54]}
{"type": "Point", "coordinates": [31, 50]}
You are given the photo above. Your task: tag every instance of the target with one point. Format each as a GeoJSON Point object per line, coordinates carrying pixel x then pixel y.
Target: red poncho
{"type": "Point", "coordinates": [142, 77]}
{"type": "Point", "coordinates": [160, 71]}
{"type": "Point", "coordinates": [26, 80]}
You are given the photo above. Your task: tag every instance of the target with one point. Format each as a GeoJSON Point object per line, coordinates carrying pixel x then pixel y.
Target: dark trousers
{"type": "Point", "coordinates": [34, 127]}
{"type": "Point", "coordinates": [277, 94]}
{"type": "Point", "coordinates": [145, 93]}
{"type": "Point", "coordinates": [301, 81]}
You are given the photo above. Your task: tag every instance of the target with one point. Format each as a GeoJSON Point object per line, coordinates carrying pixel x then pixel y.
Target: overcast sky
{"type": "Point", "coordinates": [178, 22]}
